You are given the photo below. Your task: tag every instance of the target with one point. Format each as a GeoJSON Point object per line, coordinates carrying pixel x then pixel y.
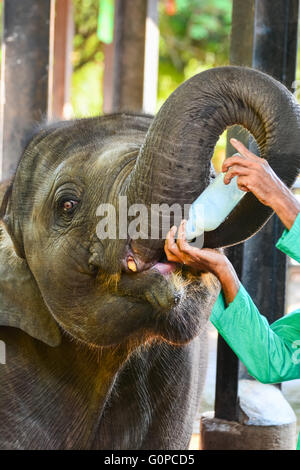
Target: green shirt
{"type": "Point", "coordinates": [271, 353]}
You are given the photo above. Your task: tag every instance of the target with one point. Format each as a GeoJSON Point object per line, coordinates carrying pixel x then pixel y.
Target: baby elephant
{"type": "Point", "coordinates": [104, 339]}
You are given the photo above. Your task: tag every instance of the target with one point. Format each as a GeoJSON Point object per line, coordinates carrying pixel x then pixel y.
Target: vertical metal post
{"type": "Point", "coordinates": [131, 58]}
{"type": "Point", "coordinates": [226, 400]}
{"type": "Point", "coordinates": [275, 52]}
{"type": "Point", "coordinates": [129, 55]}
{"type": "Point", "coordinates": [25, 60]}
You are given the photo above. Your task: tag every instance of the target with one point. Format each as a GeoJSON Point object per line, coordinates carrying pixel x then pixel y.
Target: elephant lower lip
{"type": "Point", "coordinates": [165, 268]}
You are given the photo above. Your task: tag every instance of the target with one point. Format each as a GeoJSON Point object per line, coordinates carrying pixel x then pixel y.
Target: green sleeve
{"type": "Point", "coordinates": [270, 353]}
{"type": "Point", "coordinates": [289, 242]}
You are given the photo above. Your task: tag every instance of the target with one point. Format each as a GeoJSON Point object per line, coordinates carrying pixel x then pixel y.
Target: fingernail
{"type": "Point", "coordinates": [234, 140]}
{"type": "Point", "coordinates": [173, 229]}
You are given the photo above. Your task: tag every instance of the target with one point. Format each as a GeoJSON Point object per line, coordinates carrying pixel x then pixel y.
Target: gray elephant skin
{"type": "Point", "coordinates": [97, 356]}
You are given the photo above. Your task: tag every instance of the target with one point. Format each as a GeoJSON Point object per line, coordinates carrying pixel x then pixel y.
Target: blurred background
{"type": "Point", "coordinates": [194, 36]}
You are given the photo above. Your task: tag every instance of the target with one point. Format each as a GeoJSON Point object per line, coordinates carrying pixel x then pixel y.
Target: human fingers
{"type": "Point", "coordinates": [233, 171]}
{"type": "Point", "coordinates": [182, 243]}
{"type": "Point", "coordinates": [171, 247]}
{"type": "Point", "coordinates": [245, 183]}
{"type": "Point", "coordinates": [170, 256]}
{"type": "Point", "coordinates": [236, 160]}
{"type": "Point", "coordinates": [244, 151]}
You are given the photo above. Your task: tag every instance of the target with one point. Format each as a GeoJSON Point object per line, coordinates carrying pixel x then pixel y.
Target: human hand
{"type": "Point", "coordinates": [182, 252]}
{"type": "Point", "coordinates": [254, 174]}
{"type": "Point", "coordinates": [205, 259]}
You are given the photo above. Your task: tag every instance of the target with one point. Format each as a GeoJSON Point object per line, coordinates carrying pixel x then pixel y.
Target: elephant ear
{"type": "Point", "coordinates": [21, 304]}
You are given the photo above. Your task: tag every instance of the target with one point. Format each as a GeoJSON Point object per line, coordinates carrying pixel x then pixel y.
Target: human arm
{"type": "Point", "coordinates": [270, 353]}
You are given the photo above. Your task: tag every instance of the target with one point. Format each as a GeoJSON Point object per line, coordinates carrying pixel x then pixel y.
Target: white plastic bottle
{"type": "Point", "coordinates": [212, 207]}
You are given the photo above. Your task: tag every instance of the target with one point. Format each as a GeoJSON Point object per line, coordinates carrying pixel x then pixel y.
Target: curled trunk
{"type": "Point", "coordinates": [174, 163]}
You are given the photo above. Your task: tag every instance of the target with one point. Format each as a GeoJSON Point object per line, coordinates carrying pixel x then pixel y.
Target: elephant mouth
{"type": "Point", "coordinates": [165, 268]}
{"type": "Point", "coordinates": [151, 281]}
{"type": "Point", "coordinates": [133, 262]}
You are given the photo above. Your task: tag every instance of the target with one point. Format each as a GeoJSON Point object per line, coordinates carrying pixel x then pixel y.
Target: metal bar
{"type": "Point", "coordinates": [25, 63]}
{"type": "Point", "coordinates": [129, 55]}
{"type": "Point", "coordinates": [226, 399]}
{"type": "Point", "coordinates": [128, 84]}
{"type": "Point", "coordinates": [242, 32]}
{"type": "Point", "coordinates": [276, 32]}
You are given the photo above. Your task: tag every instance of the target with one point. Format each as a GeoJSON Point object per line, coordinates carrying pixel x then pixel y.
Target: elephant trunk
{"type": "Point", "coordinates": [174, 164]}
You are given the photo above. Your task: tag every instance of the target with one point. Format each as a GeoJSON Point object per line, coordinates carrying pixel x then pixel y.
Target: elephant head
{"type": "Point", "coordinates": [60, 273]}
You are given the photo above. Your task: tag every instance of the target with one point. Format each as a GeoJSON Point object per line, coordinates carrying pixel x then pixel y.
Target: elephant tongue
{"type": "Point", "coordinates": [164, 268]}
{"type": "Point", "coordinates": [134, 263]}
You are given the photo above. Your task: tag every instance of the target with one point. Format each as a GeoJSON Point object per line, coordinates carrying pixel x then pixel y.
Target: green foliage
{"type": "Point", "coordinates": [199, 27]}
{"type": "Point", "coordinates": [87, 59]}
{"type": "Point", "coordinates": [85, 18]}
{"type": "Point", "coordinates": [86, 91]}
{"type": "Point", "coordinates": [195, 38]}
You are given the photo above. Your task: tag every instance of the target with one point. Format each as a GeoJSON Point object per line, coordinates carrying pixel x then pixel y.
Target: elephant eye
{"type": "Point", "coordinates": [68, 205]}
